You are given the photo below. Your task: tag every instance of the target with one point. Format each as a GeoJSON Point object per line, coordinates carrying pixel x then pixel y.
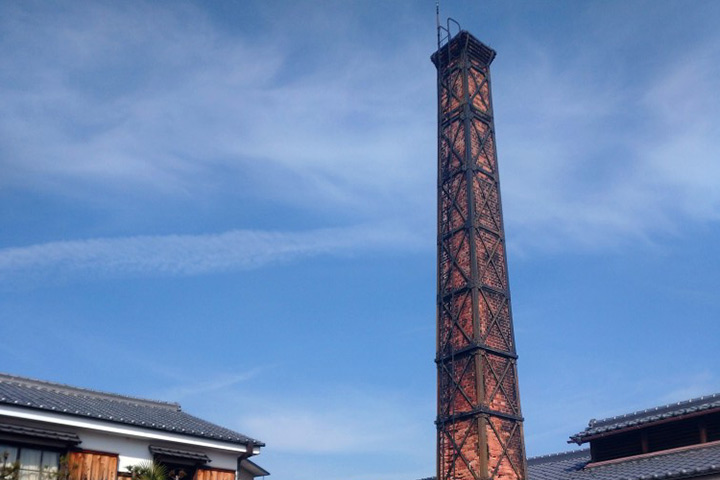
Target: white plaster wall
{"type": "Point", "coordinates": [129, 442]}
{"type": "Point", "coordinates": [222, 460]}
{"type": "Point", "coordinates": [133, 450]}
{"type": "Point", "coordinates": [117, 429]}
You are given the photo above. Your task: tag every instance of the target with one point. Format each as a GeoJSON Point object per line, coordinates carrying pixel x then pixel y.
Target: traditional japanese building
{"type": "Point", "coordinates": [47, 426]}
{"type": "Point", "coordinates": [680, 440]}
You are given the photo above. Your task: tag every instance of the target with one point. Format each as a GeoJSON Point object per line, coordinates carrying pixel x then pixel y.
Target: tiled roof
{"type": "Point", "coordinates": [65, 437]}
{"type": "Point", "coordinates": [674, 465]}
{"type": "Point", "coordinates": [150, 414]}
{"type": "Point", "coordinates": [559, 466]}
{"type": "Point", "coordinates": [596, 427]}
{"type": "Point", "coordinates": [254, 468]}
{"type": "Point", "coordinates": [678, 464]}
{"type": "Point", "coordinates": [177, 453]}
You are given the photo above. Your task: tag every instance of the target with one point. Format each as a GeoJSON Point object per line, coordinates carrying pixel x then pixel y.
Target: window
{"type": "Point", "coordinates": [34, 464]}
{"type": "Point", "coordinates": [179, 471]}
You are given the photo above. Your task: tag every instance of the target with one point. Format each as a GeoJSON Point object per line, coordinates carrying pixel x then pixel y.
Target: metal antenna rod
{"type": "Point", "coordinates": [437, 21]}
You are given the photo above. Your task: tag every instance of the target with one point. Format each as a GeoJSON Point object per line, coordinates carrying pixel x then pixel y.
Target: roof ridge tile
{"type": "Point", "coordinates": [150, 414]}
{"type": "Point", "coordinates": [639, 417]}
{"type": "Point", "coordinates": [657, 408]}
{"type": "Point", "coordinates": [85, 392]}
{"type": "Point", "coordinates": [565, 454]}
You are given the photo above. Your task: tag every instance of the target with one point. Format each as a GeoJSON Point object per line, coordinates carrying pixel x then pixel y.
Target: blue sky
{"type": "Point", "coordinates": [232, 205]}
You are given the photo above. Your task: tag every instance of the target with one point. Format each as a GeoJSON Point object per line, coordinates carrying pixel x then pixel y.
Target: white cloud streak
{"type": "Point", "coordinates": [598, 161]}
{"type": "Point", "coordinates": [342, 421]}
{"type": "Point", "coordinates": [329, 430]}
{"type": "Point", "coordinates": [208, 385]}
{"type": "Point", "coordinates": [179, 255]}
{"type": "Point", "coordinates": [151, 99]}
{"type": "Point", "coordinates": [155, 99]}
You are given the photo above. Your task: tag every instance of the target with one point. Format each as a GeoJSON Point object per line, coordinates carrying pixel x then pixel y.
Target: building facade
{"type": "Point", "coordinates": [48, 427]}
{"type": "Point", "coordinates": [668, 442]}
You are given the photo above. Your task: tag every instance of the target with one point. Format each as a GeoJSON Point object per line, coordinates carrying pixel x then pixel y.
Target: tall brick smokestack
{"type": "Point", "coordinates": [479, 422]}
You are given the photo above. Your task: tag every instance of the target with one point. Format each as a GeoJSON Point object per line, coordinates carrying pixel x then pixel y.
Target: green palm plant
{"type": "Point", "coordinates": [148, 471]}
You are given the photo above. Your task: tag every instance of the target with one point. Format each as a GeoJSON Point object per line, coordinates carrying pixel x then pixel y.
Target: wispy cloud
{"type": "Point", "coordinates": [341, 420]}
{"type": "Point", "coordinates": [218, 381]}
{"type": "Point", "coordinates": [190, 254]}
{"type": "Point", "coordinates": [599, 159]}
{"type": "Point", "coordinates": [101, 95]}
{"type": "Point", "coordinates": [142, 98]}
{"type": "Point", "coordinates": [329, 430]}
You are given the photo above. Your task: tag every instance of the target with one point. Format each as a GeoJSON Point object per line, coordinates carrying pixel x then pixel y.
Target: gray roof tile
{"type": "Point", "coordinates": [175, 452]}
{"type": "Point", "coordinates": [686, 463]}
{"type": "Point", "coordinates": [151, 414]}
{"type": "Point", "coordinates": [13, 429]}
{"type": "Point", "coordinates": [595, 427]}
{"type": "Point", "coordinates": [674, 465]}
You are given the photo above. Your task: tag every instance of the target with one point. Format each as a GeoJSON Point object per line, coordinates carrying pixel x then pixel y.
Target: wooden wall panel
{"type": "Point", "coordinates": [92, 466]}
{"type": "Point", "coordinates": [214, 474]}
